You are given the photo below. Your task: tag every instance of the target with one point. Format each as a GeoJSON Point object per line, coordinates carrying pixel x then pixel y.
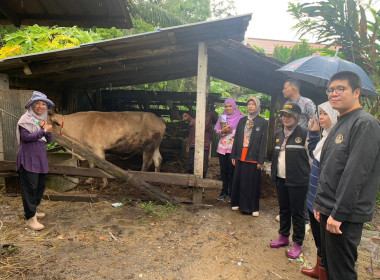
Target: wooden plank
{"type": "Point", "coordinates": [9, 168]}
{"type": "Point", "coordinates": [178, 179]}
{"type": "Point", "coordinates": [71, 197]}
{"type": "Point", "coordinates": [100, 60]}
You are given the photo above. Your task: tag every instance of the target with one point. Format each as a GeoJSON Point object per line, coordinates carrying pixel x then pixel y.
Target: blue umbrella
{"type": "Point", "coordinates": [318, 70]}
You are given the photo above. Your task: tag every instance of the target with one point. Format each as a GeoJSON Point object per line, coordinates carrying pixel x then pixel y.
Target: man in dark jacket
{"type": "Point", "coordinates": [349, 177]}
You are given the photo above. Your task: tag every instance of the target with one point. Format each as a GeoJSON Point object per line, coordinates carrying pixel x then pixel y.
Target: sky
{"type": "Point", "coordinates": [270, 20]}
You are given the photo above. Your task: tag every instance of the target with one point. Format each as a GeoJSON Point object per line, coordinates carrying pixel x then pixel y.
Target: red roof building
{"type": "Point", "coordinates": [268, 45]}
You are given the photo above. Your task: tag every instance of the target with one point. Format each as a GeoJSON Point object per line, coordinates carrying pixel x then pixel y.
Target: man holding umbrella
{"type": "Point", "coordinates": [291, 92]}
{"type": "Point", "coordinates": [349, 177]}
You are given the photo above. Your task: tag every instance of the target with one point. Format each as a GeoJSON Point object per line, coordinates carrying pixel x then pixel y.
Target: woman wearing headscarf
{"type": "Point", "coordinates": [226, 128]}
{"type": "Point", "coordinates": [33, 132]}
{"type": "Point", "coordinates": [290, 172]}
{"type": "Point", "coordinates": [248, 155]}
{"type": "Point", "coordinates": [327, 119]}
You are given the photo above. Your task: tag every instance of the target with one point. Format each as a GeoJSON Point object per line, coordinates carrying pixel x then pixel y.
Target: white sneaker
{"type": "Point", "coordinates": [255, 214]}
{"type": "Point", "coordinates": [235, 208]}
{"type": "Point", "coordinates": [278, 218]}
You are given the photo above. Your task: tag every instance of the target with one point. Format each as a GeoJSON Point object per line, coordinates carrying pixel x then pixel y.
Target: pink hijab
{"type": "Point", "coordinates": [232, 119]}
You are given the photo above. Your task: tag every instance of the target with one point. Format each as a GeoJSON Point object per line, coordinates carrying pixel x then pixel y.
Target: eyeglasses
{"type": "Point", "coordinates": [338, 90]}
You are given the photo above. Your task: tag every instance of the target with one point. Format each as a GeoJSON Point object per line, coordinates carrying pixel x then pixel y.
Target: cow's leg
{"type": "Point", "coordinates": [157, 159]}
{"type": "Point", "coordinates": [100, 153]}
{"type": "Point", "coordinates": [147, 160]}
{"type": "Point", "coordinates": [90, 180]}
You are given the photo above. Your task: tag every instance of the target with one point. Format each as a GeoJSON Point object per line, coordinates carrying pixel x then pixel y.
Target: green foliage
{"type": "Point", "coordinates": [260, 50]}
{"type": "Point", "coordinates": [33, 39]}
{"type": "Point", "coordinates": [223, 8]}
{"type": "Point", "coordinates": [300, 50]}
{"type": "Point", "coordinates": [152, 13]}
{"type": "Point", "coordinates": [151, 207]}
{"type": "Point", "coordinates": [51, 145]}
{"type": "Point", "coordinates": [343, 23]}
{"type": "Point", "coordinates": [147, 206]}
{"type": "Point", "coordinates": [368, 226]}
{"type": "Point", "coordinates": [282, 53]}
{"type": "Point", "coordinates": [4, 30]}
{"type": "Point", "coordinates": [108, 33]}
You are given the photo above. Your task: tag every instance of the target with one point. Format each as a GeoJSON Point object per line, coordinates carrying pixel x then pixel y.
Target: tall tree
{"type": "Point", "coordinates": [343, 23]}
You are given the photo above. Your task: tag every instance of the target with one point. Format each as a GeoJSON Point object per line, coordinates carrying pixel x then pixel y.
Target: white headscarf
{"type": "Point", "coordinates": [333, 114]}
{"type": "Point", "coordinates": [29, 121]}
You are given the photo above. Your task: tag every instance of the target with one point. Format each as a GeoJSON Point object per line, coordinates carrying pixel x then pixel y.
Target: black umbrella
{"type": "Point", "coordinates": [318, 70]}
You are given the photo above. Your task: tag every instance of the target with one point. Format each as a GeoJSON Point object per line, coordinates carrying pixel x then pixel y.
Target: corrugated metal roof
{"type": "Point", "coordinates": [82, 13]}
{"type": "Point", "coordinates": [163, 55]}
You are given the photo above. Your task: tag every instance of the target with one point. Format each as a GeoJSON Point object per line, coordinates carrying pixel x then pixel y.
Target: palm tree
{"type": "Point", "coordinates": [343, 23]}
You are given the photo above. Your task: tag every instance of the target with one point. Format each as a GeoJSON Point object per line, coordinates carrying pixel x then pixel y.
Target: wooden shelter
{"type": "Point", "coordinates": [203, 49]}
{"type": "Point", "coordinates": [82, 13]}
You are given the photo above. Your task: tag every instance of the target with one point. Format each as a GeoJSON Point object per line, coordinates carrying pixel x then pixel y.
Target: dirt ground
{"type": "Point", "coordinates": [144, 240]}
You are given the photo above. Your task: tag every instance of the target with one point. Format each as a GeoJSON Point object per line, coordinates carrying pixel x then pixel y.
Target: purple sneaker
{"type": "Point", "coordinates": [280, 242]}
{"type": "Point", "coordinates": [295, 252]}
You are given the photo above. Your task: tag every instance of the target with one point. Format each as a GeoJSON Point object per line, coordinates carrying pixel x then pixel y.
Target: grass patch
{"type": "Point", "coordinates": [151, 207]}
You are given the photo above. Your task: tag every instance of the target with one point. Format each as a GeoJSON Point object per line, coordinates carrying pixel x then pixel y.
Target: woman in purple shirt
{"type": "Point", "coordinates": [33, 132]}
{"type": "Point", "coordinates": [226, 128]}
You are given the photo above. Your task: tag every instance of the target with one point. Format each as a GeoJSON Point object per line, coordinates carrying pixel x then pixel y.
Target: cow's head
{"type": "Point", "coordinates": [54, 118]}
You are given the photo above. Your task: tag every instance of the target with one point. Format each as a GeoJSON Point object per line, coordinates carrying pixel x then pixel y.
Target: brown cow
{"type": "Point", "coordinates": [114, 132]}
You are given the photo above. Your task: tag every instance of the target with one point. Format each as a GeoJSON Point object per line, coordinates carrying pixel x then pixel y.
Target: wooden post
{"type": "Point", "coordinates": [271, 127]}
{"type": "Point", "coordinates": [4, 85]}
{"type": "Point", "coordinates": [202, 87]}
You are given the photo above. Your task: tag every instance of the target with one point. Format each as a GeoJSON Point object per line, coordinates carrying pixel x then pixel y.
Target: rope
{"type": "Point", "coordinates": [3, 111]}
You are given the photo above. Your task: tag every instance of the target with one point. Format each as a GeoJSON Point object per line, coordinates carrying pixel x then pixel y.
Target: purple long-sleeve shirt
{"type": "Point", "coordinates": [32, 153]}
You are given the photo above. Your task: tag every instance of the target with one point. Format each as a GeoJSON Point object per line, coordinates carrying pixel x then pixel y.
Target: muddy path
{"type": "Point", "coordinates": [143, 240]}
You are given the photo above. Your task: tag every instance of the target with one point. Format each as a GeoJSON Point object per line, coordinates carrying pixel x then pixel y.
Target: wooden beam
{"type": "Point", "coordinates": [9, 167]}
{"type": "Point", "coordinates": [27, 70]}
{"type": "Point", "coordinates": [58, 66]}
{"type": "Point", "coordinates": [11, 16]}
{"type": "Point", "coordinates": [71, 197]}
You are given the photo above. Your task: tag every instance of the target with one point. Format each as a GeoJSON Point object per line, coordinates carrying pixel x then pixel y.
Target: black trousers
{"type": "Point", "coordinates": [32, 190]}
{"type": "Point", "coordinates": [315, 229]}
{"type": "Point", "coordinates": [340, 251]}
{"type": "Point", "coordinates": [226, 172]}
{"type": "Point", "coordinates": [190, 162]}
{"type": "Point", "coordinates": [292, 201]}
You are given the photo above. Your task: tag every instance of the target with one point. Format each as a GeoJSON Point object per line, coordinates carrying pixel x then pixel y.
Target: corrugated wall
{"type": "Point", "coordinates": [12, 104]}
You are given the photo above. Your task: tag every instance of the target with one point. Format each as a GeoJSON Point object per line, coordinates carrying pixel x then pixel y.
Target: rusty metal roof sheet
{"type": "Point", "coordinates": [82, 13]}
